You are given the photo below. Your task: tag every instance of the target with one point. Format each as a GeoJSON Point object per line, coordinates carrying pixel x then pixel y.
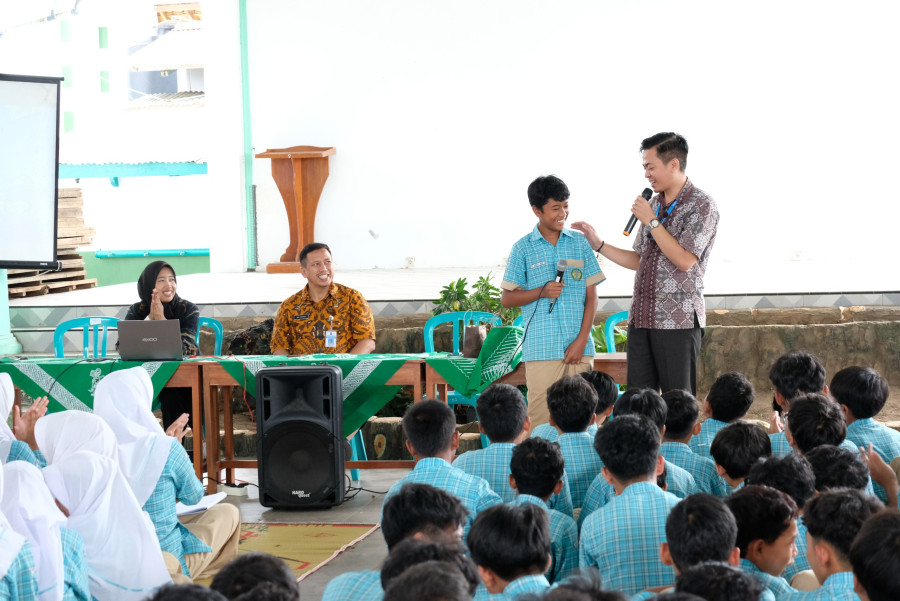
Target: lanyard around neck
{"type": "Point", "coordinates": [668, 210]}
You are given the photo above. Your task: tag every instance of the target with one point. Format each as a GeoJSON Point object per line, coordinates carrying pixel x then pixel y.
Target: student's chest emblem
{"type": "Point", "coordinates": [576, 274]}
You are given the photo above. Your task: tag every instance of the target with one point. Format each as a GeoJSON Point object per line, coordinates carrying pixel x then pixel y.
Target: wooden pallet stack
{"type": "Point", "coordinates": [71, 233]}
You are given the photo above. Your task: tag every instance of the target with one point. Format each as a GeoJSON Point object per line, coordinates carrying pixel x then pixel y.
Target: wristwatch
{"type": "Point", "coordinates": [654, 223]}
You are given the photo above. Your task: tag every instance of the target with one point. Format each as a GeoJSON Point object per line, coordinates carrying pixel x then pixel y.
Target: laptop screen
{"type": "Point", "coordinates": [150, 340]}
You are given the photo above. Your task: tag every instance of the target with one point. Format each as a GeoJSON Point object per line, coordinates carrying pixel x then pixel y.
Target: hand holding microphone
{"type": "Point", "coordinates": [557, 284]}
{"type": "Point", "coordinates": [632, 221]}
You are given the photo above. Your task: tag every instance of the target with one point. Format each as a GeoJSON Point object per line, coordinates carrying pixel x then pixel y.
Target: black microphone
{"type": "Point", "coordinates": [561, 266]}
{"type": "Point", "coordinates": [647, 193]}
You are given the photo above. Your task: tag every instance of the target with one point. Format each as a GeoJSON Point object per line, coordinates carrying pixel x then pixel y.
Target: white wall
{"type": "Point", "coordinates": [442, 113]}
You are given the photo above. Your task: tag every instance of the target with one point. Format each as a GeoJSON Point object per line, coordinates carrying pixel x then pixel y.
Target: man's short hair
{"type": "Point", "coordinates": [700, 528]}
{"type": "Point", "coordinates": [682, 411]}
{"type": "Point", "coordinates": [248, 571]}
{"type": "Point", "coordinates": [628, 446]}
{"type": "Point", "coordinates": [312, 247]}
{"type": "Point", "coordinates": [642, 401]}
{"type": "Point", "coordinates": [669, 145]}
{"type": "Point", "coordinates": [571, 402]}
{"type": "Point", "coordinates": [797, 372]}
{"type": "Point", "coordinates": [730, 397]}
{"type": "Point", "coordinates": [429, 425]}
{"type": "Point", "coordinates": [761, 513]}
{"type": "Point", "coordinates": [186, 592]}
{"type": "Point", "coordinates": [585, 585]}
{"type": "Point", "coordinates": [545, 187]}
{"type": "Point", "coordinates": [501, 412]}
{"type": "Point", "coordinates": [791, 474]}
{"type": "Point", "coordinates": [875, 556]}
{"type": "Point", "coordinates": [411, 552]}
{"type": "Point", "coordinates": [815, 420]}
{"type": "Point", "coordinates": [715, 581]}
{"type": "Point", "coordinates": [429, 580]}
{"type": "Point", "coordinates": [835, 516]}
{"type": "Point", "coordinates": [420, 508]}
{"type": "Point", "coordinates": [537, 466]}
{"type": "Point", "coordinates": [834, 467]}
{"type": "Point", "coordinates": [738, 446]}
{"type": "Point", "coordinates": [861, 389]}
{"type": "Point", "coordinates": [606, 388]}
{"type": "Point", "coordinates": [511, 540]}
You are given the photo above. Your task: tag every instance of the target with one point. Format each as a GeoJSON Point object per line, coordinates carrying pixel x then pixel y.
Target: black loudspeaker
{"type": "Point", "coordinates": [300, 436]}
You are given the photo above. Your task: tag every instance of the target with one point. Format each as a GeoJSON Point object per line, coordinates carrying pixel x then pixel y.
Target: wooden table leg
{"type": "Point", "coordinates": [212, 437]}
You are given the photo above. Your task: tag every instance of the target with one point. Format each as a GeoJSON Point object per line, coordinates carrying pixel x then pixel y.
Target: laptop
{"type": "Point", "coordinates": [150, 340]}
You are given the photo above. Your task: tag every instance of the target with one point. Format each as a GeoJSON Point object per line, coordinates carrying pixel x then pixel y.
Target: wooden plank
{"type": "Point", "coordinates": [69, 212]}
{"type": "Point", "coordinates": [69, 203]}
{"type": "Point", "coordinates": [69, 222]}
{"type": "Point", "coordinates": [72, 243]}
{"type": "Point", "coordinates": [53, 275]}
{"type": "Point", "coordinates": [72, 232]}
{"type": "Point", "coordinates": [69, 193]}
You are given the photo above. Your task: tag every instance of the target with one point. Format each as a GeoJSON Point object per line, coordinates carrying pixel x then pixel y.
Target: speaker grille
{"type": "Point", "coordinates": [299, 462]}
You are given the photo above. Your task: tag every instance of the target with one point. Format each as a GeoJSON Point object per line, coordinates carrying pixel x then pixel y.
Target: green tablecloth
{"type": "Point", "coordinates": [499, 355]}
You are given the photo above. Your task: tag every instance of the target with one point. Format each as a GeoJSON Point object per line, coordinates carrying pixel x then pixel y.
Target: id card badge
{"type": "Point", "coordinates": [330, 339]}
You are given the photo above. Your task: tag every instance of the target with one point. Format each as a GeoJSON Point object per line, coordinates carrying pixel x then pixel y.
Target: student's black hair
{"type": "Point", "coordinates": [420, 508]}
{"type": "Point", "coordinates": [642, 401]}
{"type": "Point", "coordinates": [584, 585]}
{"type": "Point", "coordinates": [834, 467]}
{"type": "Point", "coordinates": [571, 402]}
{"type": "Point", "coordinates": [676, 597]}
{"type": "Point", "coordinates": [511, 540]}
{"type": "Point", "coordinates": [738, 446]}
{"type": "Point", "coordinates": [669, 145]}
{"type": "Point", "coordinates": [267, 591]}
{"type": "Point", "coordinates": [835, 516]}
{"type": "Point", "coordinates": [429, 425]}
{"type": "Point", "coordinates": [247, 571]}
{"type": "Point", "coordinates": [797, 372]}
{"type": "Point", "coordinates": [814, 420]}
{"type": "Point", "coordinates": [875, 556]}
{"type": "Point", "coordinates": [502, 412]}
{"type": "Point", "coordinates": [545, 187]}
{"type": "Point", "coordinates": [861, 389]}
{"type": "Point", "coordinates": [791, 474]}
{"type": "Point", "coordinates": [432, 580]}
{"type": "Point", "coordinates": [606, 388]}
{"type": "Point", "coordinates": [186, 592]}
{"type": "Point", "coordinates": [537, 465]}
{"type": "Point", "coordinates": [682, 411]}
{"type": "Point", "coordinates": [627, 446]}
{"type": "Point", "coordinates": [410, 552]}
{"type": "Point", "coordinates": [716, 581]}
{"type": "Point", "coordinates": [700, 528]}
{"type": "Point", "coordinates": [761, 513]}
{"type": "Point", "coordinates": [311, 247]}
{"type": "Point", "coordinates": [730, 397]}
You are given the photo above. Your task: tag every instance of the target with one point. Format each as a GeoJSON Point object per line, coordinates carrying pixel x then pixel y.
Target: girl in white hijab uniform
{"type": "Point", "coordinates": [65, 432]}
{"type": "Point", "coordinates": [124, 560]}
{"type": "Point", "coordinates": [17, 573]}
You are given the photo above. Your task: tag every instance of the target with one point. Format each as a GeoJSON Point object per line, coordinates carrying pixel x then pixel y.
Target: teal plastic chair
{"type": "Point", "coordinates": [459, 319]}
{"type": "Point", "coordinates": [93, 329]}
{"type": "Point", "coordinates": [519, 321]}
{"type": "Point", "coordinates": [216, 326]}
{"type": "Point", "coordinates": [609, 329]}
{"type": "Point", "coordinates": [359, 453]}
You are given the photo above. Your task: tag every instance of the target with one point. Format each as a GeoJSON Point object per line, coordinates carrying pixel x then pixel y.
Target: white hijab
{"type": "Point", "coordinates": [125, 562]}
{"type": "Point", "coordinates": [61, 434]}
{"type": "Point", "coordinates": [7, 397]}
{"type": "Point", "coordinates": [10, 541]}
{"type": "Point", "coordinates": [28, 505]}
{"type": "Point", "coordinates": [123, 399]}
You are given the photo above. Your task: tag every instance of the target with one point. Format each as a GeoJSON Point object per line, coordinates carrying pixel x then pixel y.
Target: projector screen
{"type": "Point", "coordinates": [29, 159]}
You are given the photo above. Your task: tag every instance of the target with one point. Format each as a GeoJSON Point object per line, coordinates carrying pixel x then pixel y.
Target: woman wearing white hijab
{"type": "Point", "coordinates": [65, 432]}
{"type": "Point", "coordinates": [124, 560]}
{"type": "Point", "coordinates": [17, 574]}
{"type": "Point", "coordinates": [12, 449]}
{"type": "Point", "coordinates": [159, 472]}
{"type": "Point", "coordinates": [58, 552]}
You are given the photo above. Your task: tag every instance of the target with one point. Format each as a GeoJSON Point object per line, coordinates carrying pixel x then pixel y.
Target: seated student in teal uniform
{"type": "Point", "coordinates": [875, 557]}
{"type": "Point", "coordinates": [792, 375]}
{"type": "Point", "coordinates": [736, 448]}
{"type": "Point", "coordinates": [19, 446]}
{"type": "Point", "coordinates": [607, 392]}
{"type": "Point", "coordinates": [834, 467]}
{"type": "Point", "coordinates": [411, 552]}
{"type": "Point", "coordinates": [429, 580]}
{"type": "Point", "coordinates": [767, 530]}
{"type": "Point", "coordinates": [622, 538]}
{"type": "Point", "coordinates": [536, 472]}
{"type": "Point", "coordinates": [432, 439]}
{"type": "Point", "coordinates": [418, 511]}
{"type": "Point", "coordinates": [862, 393]}
{"type": "Point", "coordinates": [511, 547]}
{"type": "Point", "coordinates": [682, 411]}
{"type": "Point", "coordinates": [503, 418]}
{"type": "Point", "coordinates": [729, 399]}
{"type": "Point", "coordinates": [793, 476]}
{"type": "Point", "coordinates": [716, 581]}
{"type": "Point", "coordinates": [583, 586]}
{"type": "Point", "coordinates": [257, 575]}
{"type": "Point", "coordinates": [646, 402]}
{"type": "Point", "coordinates": [833, 520]}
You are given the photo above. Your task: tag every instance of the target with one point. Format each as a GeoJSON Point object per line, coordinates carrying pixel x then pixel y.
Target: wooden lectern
{"type": "Point", "coordinates": [300, 173]}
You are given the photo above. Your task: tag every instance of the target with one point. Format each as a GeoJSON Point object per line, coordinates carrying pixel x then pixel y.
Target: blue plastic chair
{"type": "Point", "coordinates": [359, 453]}
{"type": "Point", "coordinates": [519, 321]}
{"type": "Point", "coordinates": [93, 328]}
{"type": "Point", "coordinates": [609, 329]}
{"type": "Point", "coordinates": [216, 326]}
{"type": "Point", "coordinates": [457, 318]}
